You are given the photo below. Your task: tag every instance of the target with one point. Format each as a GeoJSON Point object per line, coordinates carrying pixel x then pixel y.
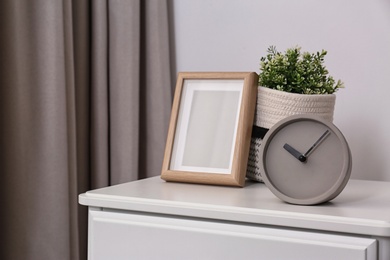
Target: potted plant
{"type": "Point", "coordinates": [290, 83]}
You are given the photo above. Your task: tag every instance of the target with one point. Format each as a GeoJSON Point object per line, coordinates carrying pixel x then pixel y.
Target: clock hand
{"type": "Point", "coordinates": [311, 149]}
{"type": "Point", "coordinates": [294, 152]}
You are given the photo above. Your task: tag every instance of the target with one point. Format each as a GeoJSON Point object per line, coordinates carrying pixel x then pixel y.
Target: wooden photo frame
{"type": "Point", "coordinates": [210, 128]}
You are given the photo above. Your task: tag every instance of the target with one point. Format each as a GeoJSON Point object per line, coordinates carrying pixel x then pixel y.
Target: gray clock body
{"type": "Point", "coordinates": [305, 160]}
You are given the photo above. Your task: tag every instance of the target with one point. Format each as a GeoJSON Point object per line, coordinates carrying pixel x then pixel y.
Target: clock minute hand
{"type": "Point", "coordinates": [322, 137]}
{"type": "Point", "coordinates": [294, 152]}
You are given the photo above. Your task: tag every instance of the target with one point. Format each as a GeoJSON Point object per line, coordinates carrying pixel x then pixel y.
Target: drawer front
{"type": "Point", "coordinates": [120, 235]}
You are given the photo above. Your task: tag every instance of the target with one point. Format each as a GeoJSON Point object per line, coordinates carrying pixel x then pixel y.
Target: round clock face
{"type": "Point", "coordinates": [305, 160]}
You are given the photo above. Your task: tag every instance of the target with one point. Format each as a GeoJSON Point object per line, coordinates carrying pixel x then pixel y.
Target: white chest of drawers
{"type": "Point", "coordinates": [153, 219]}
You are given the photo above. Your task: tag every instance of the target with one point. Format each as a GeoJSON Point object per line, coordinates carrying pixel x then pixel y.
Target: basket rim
{"type": "Point", "coordinates": [284, 93]}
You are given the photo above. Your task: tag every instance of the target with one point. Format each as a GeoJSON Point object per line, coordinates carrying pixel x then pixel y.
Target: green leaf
{"type": "Point", "coordinates": [293, 71]}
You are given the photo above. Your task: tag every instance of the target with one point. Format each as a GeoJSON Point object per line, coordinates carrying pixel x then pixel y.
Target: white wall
{"type": "Point", "coordinates": [232, 35]}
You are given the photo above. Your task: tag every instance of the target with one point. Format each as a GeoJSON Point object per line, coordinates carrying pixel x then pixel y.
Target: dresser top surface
{"type": "Point", "coordinates": [362, 208]}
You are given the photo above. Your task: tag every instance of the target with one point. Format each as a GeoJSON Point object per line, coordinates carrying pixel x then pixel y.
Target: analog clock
{"type": "Point", "coordinates": [305, 160]}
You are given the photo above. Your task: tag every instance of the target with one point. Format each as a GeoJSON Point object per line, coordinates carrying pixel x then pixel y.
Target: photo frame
{"type": "Point", "coordinates": [210, 128]}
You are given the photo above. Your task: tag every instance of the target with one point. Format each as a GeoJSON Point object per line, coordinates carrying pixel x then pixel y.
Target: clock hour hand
{"type": "Point", "coordinates": [322, 138]}
{"type": "Point", "coordinates": [294, 152]}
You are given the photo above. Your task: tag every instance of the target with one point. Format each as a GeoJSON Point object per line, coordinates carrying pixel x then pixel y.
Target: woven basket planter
{"type": "Point", "coordinates": [273, 106]}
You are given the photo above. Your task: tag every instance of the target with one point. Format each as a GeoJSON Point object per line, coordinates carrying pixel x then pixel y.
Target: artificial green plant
{"type": "Point", "coordinates": [296, 72]}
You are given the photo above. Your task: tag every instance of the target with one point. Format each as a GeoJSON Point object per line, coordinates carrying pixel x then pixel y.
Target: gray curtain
{"type": "Point", "coordinates": [85, 96]}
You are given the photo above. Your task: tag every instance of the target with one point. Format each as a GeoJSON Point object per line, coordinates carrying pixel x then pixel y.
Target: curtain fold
{"type": "Point", "coordinates": [85, 95]}
{"type": "Point", "coordinates": [124, 114]}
